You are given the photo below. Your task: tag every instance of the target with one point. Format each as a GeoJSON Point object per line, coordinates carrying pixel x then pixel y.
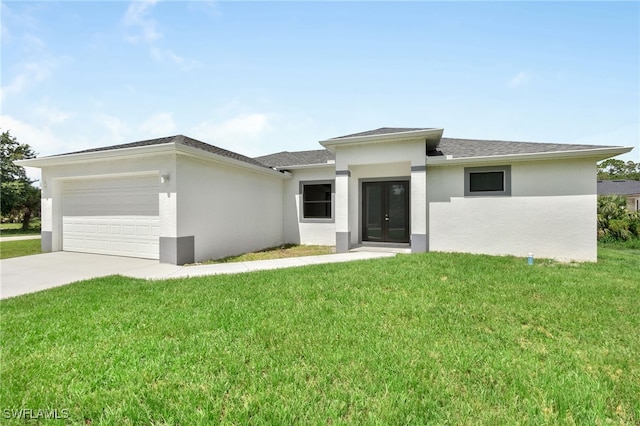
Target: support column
{"type": "Point", "coordinates": [419, 240]}
{"type": "Point", "coordinates": [51, 214]}
{"type": "Point", "coordinates": [343, 231]}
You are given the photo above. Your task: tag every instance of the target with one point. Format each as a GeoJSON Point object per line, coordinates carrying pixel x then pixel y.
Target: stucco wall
{"type": "Point", "coordinates": [296, 230]}
{"type": "Point", "coordinates": [53, 179]}
{"type": "Point", "coordinates": [228, 210]}
{"type": "Point", "coordinates": [551, 212]}
{"type": "Point", "coordinates": [401, 171]}
{"type": "Point", "coordinates": [378, 160]}
{"type": "Point", "coordinates": [380, 153]}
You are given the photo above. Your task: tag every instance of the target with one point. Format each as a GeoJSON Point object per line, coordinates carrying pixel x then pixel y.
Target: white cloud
{"type": "Point", "coordinates": [29, 74]}
{"type": "Point", "coordinates": [145, 31]}
{"type": "Point", "coordinates": [41, 139]}
{"type": "Point", "coordinates": [243, 133]}
{"type": "Point", "coordinates": [137, 17]}
{"type": "Point", "coordinates": [157, 125]}
{"type": "Point", "coordinates": [35, 64]}
{"type": "Point", "coordinates": [118, 130]}
{"type": "Point", "coordinates": [52, 115]}
{"type": "Point", "coordinates": [520, 79]}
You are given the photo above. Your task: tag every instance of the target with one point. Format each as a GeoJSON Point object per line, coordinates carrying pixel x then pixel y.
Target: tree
{"type": "Point", "coordinates": [18, 195]}
{"type": "Point", "coordinates": [618, 169]}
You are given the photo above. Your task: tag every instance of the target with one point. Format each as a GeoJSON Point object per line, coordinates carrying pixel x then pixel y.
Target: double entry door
{"type": "Point", "coordinates": [385, 211]}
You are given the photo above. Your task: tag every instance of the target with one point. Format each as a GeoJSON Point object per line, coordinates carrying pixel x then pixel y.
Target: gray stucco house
{"type": "Point", "coordinates": [180, 200]}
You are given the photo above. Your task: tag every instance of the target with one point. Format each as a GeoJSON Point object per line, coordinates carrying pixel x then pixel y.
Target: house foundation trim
{"type": "Point", "coordinates": [177, 250]}
{"type": "Point", "coordinates": [419, 243]}
{"type": "Point", "coordinates": [46, 241]}
{"type": "Point", "coordinates": [343, 242]}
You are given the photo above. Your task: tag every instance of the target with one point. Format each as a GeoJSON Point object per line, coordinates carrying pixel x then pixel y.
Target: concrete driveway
{"type": "Point", "coordinates": [28, 274]}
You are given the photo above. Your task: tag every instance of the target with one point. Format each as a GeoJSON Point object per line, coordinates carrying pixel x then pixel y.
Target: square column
{"type": "Point", "coordinates": [343, 231]}
{"type": "Point", "coordinates": [419, 240]}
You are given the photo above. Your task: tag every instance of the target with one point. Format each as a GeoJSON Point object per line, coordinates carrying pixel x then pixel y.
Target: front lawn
{"type": "Point", "coordinates": [19, 248]}
{"type": "Point", "coordinates": [431, 338]}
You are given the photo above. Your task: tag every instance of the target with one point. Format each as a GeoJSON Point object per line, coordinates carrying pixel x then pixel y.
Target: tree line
{"type": "Point", "coordinates": [613, 169]}
{"type": "Point", "coordinates": [19, 199]}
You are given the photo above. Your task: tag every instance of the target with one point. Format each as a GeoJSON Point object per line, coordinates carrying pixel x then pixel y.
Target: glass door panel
{"type": "Point", "coordinates": [385, 211]}
{"type": "Point", "coordinates": [372, 212]}
{"type": "Point", "coordinates": [397, 212]}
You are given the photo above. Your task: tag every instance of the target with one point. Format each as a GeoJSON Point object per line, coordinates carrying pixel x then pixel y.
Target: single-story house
{"type": "Point", "coordinates": [630, 189]}
{"type": "Point", "coordinates": [180, 200]}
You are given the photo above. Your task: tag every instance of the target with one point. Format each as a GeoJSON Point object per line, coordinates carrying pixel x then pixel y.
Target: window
{"type": "Point", "coordinates": [317, 200]}
{"type": "Point", "coordinates": [487, 181]}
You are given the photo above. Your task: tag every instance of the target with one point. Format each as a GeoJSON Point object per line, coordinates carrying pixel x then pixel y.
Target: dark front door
{"type": "Point", "coordinates": [385, 211]}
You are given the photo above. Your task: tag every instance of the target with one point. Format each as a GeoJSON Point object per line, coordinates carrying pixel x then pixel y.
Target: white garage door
{"type": "Point", "coordinates": [118, 216]}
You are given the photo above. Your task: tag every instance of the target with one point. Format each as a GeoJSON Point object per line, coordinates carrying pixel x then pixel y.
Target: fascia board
{"type": "Point", "coordinates": [106, 155]}
{"type": "Point", "coordinates": [385, 137]}
{"type": "Point", "coordinates": [141, 151]}
{"type": "Point", "coordinates": [596, 153]}
{"type": "Point", "coordinates": [307, 166]}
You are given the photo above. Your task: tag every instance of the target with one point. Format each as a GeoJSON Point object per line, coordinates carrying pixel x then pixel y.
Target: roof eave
{"type": "Point", "coordinates": [104, 155]}
{"type": "Point", "coordinates": [142, 151]}
{"type": "Point", "coordinates": [596, 153]}
{"type": "Point", "coordinates": [330, 144]}
{"type": "Point", "coordinates": [306, 166]}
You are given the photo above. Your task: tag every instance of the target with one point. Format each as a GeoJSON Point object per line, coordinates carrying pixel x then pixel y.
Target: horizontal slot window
{"type": "Point", "coordinates": [487, 181]}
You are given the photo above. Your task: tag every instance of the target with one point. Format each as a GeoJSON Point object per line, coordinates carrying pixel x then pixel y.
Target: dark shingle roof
{"type": "Point", "coordinates": [181, 140]}
{"type": "Point", "coordinates": [298, 158]}
{"type": "Point", "coordinates": [457, 148]}
{"type": "Point", "coordinates": [618, 187]}
{"type": "Point", "coordinates": [464, 148]}
{"type": "Point", "coordinates": [383, 131]}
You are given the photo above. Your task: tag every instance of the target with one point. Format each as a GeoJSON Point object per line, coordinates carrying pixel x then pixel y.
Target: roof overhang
{"type": "Point", "coordinates": [431, 136]}
{"type": "Point", "coordinates": [139, 152]}
{"type": "Point", "coordinates": [331, 163]}
{"type": "Point", "coordinates": [596, 154]}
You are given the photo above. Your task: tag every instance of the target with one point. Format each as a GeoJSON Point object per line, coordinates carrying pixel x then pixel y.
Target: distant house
{"type": "Point", "coordinates": [180, 200]}
{"type": "Point", "coordinates": [630, 189]}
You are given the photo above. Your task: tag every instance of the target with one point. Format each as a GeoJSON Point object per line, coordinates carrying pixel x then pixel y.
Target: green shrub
{"type": "Point", "coordinates": [620, 228]}
{"type": "Point", "coordinates": [615, 222]}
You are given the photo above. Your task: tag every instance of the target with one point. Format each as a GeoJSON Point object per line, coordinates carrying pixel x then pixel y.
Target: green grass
{"type": "Point", "coordinates": [278, 252]}
{"type": "Point", "coordinates": [633, 244]}
{"type": "Point", "coordinates": [417, 339]}
{"type": "Point", "coordinates": [15, 229]}
{"type": "Point", "coordinates": [19, 248]}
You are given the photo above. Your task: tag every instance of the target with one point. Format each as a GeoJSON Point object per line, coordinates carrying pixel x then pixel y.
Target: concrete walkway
{"type": "Point", "coordinates": [20, 238]}
{"type": "Point", "coordinates": [28, 274]}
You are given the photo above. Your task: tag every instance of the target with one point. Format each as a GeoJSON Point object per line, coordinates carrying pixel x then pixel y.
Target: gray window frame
{"type": "Point", "coordinates": [304, 183]}
{"type": "Point", "coordinates": [506, 192]}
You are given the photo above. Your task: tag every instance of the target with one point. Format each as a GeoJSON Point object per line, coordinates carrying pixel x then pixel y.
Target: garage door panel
{"type": "Point", "coordinates": [112, 216]}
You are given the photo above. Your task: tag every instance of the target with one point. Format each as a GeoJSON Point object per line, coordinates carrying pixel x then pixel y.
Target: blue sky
{"type": "Point", "coordinates": [262, 77]}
